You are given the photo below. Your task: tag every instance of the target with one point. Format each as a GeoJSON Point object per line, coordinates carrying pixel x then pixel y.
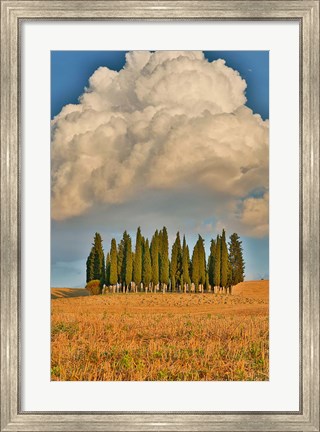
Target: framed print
{"type": "Point", "coordinates": [159, 215]}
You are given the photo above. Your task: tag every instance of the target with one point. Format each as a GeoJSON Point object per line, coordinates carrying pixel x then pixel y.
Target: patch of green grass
{"type": "Point", "coordinates": [62, 327]}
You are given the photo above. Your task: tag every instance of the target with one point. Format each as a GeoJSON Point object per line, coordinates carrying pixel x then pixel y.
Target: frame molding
{"type": "Point", "coordinates": [12, 13]}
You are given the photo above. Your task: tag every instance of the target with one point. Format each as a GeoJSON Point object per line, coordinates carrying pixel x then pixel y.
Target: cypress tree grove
{"type": "Point", "coordinates": [155, 258]}
{"type": "Point", "coordinates": [137, 273]}
{"type": "Point", "coordinates": [113, 263]}
{"type": "Point", "coordinates": [217, 264]}
{"type": "Point", "coordinates": [146, 267]}
{"type": "Point", "coordinates": [236, 259]}
{"type": "Point", "coordinates": [98, 259]}
{"type": "Point", "coordinates": [164, 257]}
{"type": "Point", "coordinates": [151, 264]}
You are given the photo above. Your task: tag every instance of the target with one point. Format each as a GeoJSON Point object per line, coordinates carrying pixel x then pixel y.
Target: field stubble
{"type": "Point", "coordinates": [162, 337]}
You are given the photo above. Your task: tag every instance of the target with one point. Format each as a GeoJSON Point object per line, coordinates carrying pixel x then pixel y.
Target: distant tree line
{"type": "Point", "coordinates": [148, 268]}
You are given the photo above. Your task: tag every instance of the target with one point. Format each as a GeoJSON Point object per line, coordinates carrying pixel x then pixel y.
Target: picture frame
{"type": "Point", "coordinates": [13, 13]}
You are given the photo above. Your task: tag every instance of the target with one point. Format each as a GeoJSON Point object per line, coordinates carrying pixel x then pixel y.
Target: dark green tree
{"type": "Point", "coordinates": [211, 262]}
{"type": "Point", "coordinates": [176, 263]}
{"type": "Point", "coordinates": [202, 261]}
{"type": "Point", "coordinates": [217, 264]}
{"type": "Point", "coordinates": [108, 263]}
{"type": "Point", "coordinates": [98, 259]}
{"type": "Point", "coordinates": [224, 260]}
{"type": "Point", "coordinates": [89, 266]}
{"type": "Point", "coordinates": [128, 261]}
{"type": "Point", "coordinates": [164, 256]}
{"type": "Point", "coordinates": [113, 263]}
{"type": "Point", "coordinates": [185, 262]}
{"type": "Point", "coordinates": [155, 258]}
{"type": "Point", "coordinates": [122, 258]}
{"type": "Point", "coordinates": [146, 267]}
{"type": "Point", "coordinates": [137, 268]}
{"type": "Point", "coordinates": [237, 264]}
{"type": "Point", "coordinates": [195, 265]}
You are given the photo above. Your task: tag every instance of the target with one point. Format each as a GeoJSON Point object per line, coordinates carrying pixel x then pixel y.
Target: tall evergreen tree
{"type": "Point", "coordinates": [179, 267]}
{"type": "Point", "coordinates": [155, 258]}
{"type": "Point", "coordinates": [137, 273]}
{"type": "Point", "coordinates": [122, 258]}
{"type": "Point", "coordinates": [211, 262]}
{"type": "Point", "coordinates": [108, 263]}
{"type": "Point", "coordinates": [237, 264]}
{"type": "Point", "coordinates": [185, 262]}
{"type": "Point", "coordinates": [164, 257]}
{"type": "Point", "coordinates": [128, 261]}
{"type": "Point", "coordinates": [202, 261]}
{"type": "Point", "coordinates": [98, 259]}
{"type": "Point", "coordinates": [113, 263]}
{"type": "Point", "coordinates": [217, 264]}
{"type": "Point", "coordinates": [146, 267]}
{"type": "Point", "coordinates": [195, 265]}
{"type": "Point", "coordinates": [224, 260]}
{"type": "Point", "coordinates": [89, 266]}
{"type": "Point", "coordinates": [176, 263]}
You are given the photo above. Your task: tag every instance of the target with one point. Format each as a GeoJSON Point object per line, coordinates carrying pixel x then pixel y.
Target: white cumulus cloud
{"type": "Point", "coordinates": [167, 121]}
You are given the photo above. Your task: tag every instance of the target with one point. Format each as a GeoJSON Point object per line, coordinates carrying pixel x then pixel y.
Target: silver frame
{"type": "Point", "coordinates": [307, 14]}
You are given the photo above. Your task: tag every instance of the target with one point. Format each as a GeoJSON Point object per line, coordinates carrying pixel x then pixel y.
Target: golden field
{"type": "Point", "coordinates": [161, 337]}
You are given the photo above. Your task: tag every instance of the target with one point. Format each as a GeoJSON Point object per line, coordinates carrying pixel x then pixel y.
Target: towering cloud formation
{"type": "Point", "coordinates": [168, 120]}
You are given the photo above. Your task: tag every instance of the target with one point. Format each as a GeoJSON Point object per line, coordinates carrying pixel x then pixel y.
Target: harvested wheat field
{"type": "Point", "coordinates": [68, 292]}
{"type": "Point", "coordinates": [162, 337]}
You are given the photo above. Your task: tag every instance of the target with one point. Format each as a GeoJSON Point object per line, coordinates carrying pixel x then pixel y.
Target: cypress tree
{"type": "Point", "coordinates": [237, 264]}
{"type": "Point", "coordinates": [98, 259]}
{"type": "Point", "coordinates": [108, 263]}
{"type": "Point", "coordinates": [195, 265]}
{"type": "Point", "coordinates": [173, 266]}
{"type": "Point", "coordinates": [176, 263]}
{"type": "Point", "coordinates": [224, 260]}
{"type": "Point", "coordinates": [122, 258]}
{"type": "Point", "coordinates": [211, 262]}
{"type": "Point", "coordinates": [155, 258]}
{"type": "Point", "coordinates": [137, 273]}
{"type": "Point", "coordinates": [128, 261]}
{"type": "Point", "coordinates": [185, 262]}
{"type": "Point", "coordinates": [202, 261]}
{"type": "Point", "coordinates": [113, 263]}
{"type": "Point", "coordinates": [217, 264]}
{"type": "Point", "coordinates": [164, 257]}
{"type": "Point", "coordinates": [146, 267]}
{"type": "Point", "coordinates": [179, 267]}
{"type": "Point", "coordinates": [89, 266]}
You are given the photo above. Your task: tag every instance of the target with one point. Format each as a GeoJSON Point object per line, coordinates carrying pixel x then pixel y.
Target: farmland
{"type": "Point", "coordinates": [161, 337]}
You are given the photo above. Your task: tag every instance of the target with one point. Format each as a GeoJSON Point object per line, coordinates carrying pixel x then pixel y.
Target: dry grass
{"type": "Point", "coordinates": [68, 292]}
{"type": "Point", "coordinates": [162, 337]}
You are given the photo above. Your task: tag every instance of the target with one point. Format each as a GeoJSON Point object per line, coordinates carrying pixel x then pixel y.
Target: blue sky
{"type": "Point", "coordinates": [70, 71]}
{"type": "Point", "coordinates": [71, 237]}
